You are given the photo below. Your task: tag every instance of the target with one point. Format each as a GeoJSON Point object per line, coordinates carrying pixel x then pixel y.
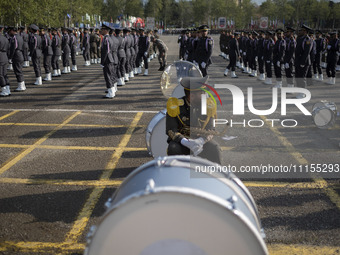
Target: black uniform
{"type": "Point", "coordinates": [178, 128]}
{"type": "Point", "coordinates": [203, 53]}
{"type": "Point", "coordinates": [121, 57]}
{"type": "Point", "coordinates": [234, 54]}
{"type": "Point", "coordinates": [182, 40]}
{"type": "Point", "coordinates": [312, 59]}
{"type": "Point", "coordinates": [268, 56]}
{"type": "Point", "coordinates": [320, 47]}
{"type": "Point", "coordinates": [73, 48]}
{"type": "Point", "coordinates": [278, 57]}
{"type": "Point", "coordinates": [86, 46]}
{"type": "Point", "coordinates": [243, 47]}
{"type": "Point", "coordinates": [260, 52]}
{"type": "Point", "coordinates": [17, 57]}
{"type": "Point", "coordinates": [4, 45]}
{"type": "Point", "coordinates": [302, 60]}
{"type": "Point", "coordinates": [143, 48]}
{"type": "Point", "coordinates": [289, 59]}
{"type": "Point", "coordinates": [47, 52]}
{"type": "Point", "coordinates": [332, 57]}
{"type": "Point", "coordinates": [128, 44]}
{"type": "Point", "coordinates": [24, 36]}
{"type": "Point", "coordinates": [253, 44]}
{"type": "Point", "coordinates": [35, 53]}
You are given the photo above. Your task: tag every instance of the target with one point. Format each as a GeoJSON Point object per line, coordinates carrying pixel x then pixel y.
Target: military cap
{"type": "Point", "coordinates": [155, 30]}
{"type": "Point", "coordinates": [106, 27]}
{"type": "Point", "coordinates": [333, 33]}
{"type": "Point", "coordinates": [118, 30]}
{"type": "Point", "coordinates": [70, 29]}
{"type": "Point", "coordinates": [11, 28]}
{"type": "Point", "coordinates": [290, 29]}
{"type": "Point", "coordinates": [142, 29]}
{"type": "Point", "coordinates": [194, 83]}
{"type": "Point", "coordinates": [237, 33]}
{"type": "Point", "coordinates": [255, 33]}
{"type": "Point", "coordinates": [1, 26]}
{"type": "Point", "coordinates": [318, 32]}
{"type": "Point", "coordinates": [269, 32]}
{"type": "Point", "coordinates": [34, 27]}
{"type": "Point", "coordinates": [203, 28]}
{"type": "Point", "coordinates": [22, 27]}
{"type": "Point", "coordinates": [86, 29]}
{"type": "Point", "coordinates": [262, 32]}
{"type": "Point", "coordinates": [279, 30]}
{"type": "Point", "coordinates": [305, 27]}
{"type": "Point", "coordinates": [311, 32]}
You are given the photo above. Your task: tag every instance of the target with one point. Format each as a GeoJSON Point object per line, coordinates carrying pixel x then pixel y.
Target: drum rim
{"type": "Point", "coordinates": [148, 134]}
{"type": "Point", "coordinates": [255, 231]}
{"type": "Point", "coordinates": [324, 107]}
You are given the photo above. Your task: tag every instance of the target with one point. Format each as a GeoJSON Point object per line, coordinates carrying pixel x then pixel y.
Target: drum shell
{"type": "Point", "coordinates": [156, 143]}
{"type": "Point", "coordinates": [324, 114]}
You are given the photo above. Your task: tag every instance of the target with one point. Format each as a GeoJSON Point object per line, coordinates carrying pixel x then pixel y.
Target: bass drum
{"type": "Point", "coordinates": [172, 206]}
{"type": "Point", "coordinates": [156, 138]}
{"type": "Point", "coordinates": [324, 114]}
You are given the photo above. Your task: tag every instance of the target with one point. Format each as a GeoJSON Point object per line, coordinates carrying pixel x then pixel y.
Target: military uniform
{"type": "Point", "coordinates": [143, 48]}
{"type": "Point", "coordinates": [253, 53]}
{"type": "Point", "coordinates": [320, 48]}
{"type": "Point", "coordinates": [234, 55]}
{"type": "Point", "coordinates": [162, 53]}
{"type": "Point", "coordinates": [289, 57]}
{"type": "Point", "coordinates": [302, 58]}
{"type": "Point", "coordinates": [94, 39]}
{"type": "Point", "coordinates": [121, 58]}
{"type": "Point", "coordinates": [128, 45]}
{"type": "Point", "coordinates": [183, 122]}
{"type": "Point", "coordinates": [260, 52]}
{"type": "Point", "coordinates": [17, 58]}
{"type": "Point", "coordinates": [65, 47]}
{"type": "Point", "coordinates": [35, 53]}
{"type": "Point", "coordinates": [268, 57]}
{"type": "Point", "coordinates": [56, 47]}
{"type": "Point", "coordinates": [47, 51]}
{"type": "Point", "coordinates": [182, 41]}
{"type": "Point", "coordinates": [24, 36]}
{"type": "Point", "coordinates": [4, 82]}
{"type": "Point", "coordinates": [85, 45]}
{"type": "Point", "coordinates": [203, 52]}
{"type": "Point", "coordinates": [278, 56]}
{"type": "Point", "coordinates": [73, 48]}
{"type": "Point", "coordinates": [332, 57]}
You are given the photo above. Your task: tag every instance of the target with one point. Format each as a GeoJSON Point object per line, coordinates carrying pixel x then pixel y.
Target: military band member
{"type": "Point", "coordinates": [249, 69]}
{"type": "Point", "coordinates": [289, 55]}
{"type": "Point", "coordinates": [253, 60]}
{"type": "Point", "coordinates": [24, 36]}
{"type": "Point", "coordinates": [223, 43]}
{"type": "Point", "coordinates": [320, 48]}
{"type": "Point", "coordinates": [191, 45]}
{"type": "Point", "coordinates": [182, 41]}
{"type": "Point", "coordinates": [302, 58]}
{"type": "Point", "coordinates": [85, 45]}
{"type": "Point", "coordinates": [46, 47]}
{"type": "Point", "coordinates": [278, 57]}
{"type": "Point", "coordinates": [128, 45]}
{"type": "Point", "coordinates": [203, 52]}
{"type": "Point", "coordinates": [162, 52]}
{"type": "Point", "coordinates": [260, 52]}
{"type": "Point", "coordinates": [244, 47]}
{"type": "Point", "coordinates": [143, 51]}
{"type": "Point", "coordinates": [234, 55]}
{"type": "Point", "coordinates": [332, 57]}
{"type": "Point", "coordinates": [73, 48]}
{"type": "Point", "coordinates": [268, 56]}
{"type": "Point", "coordinates": [108, 62]}
{"type": "Point", "coordinates": [35, 53]}
{"type": "Point", "coordinates": [65, 50]}
{"type": "Point", "coordinates": [184, 121]}
{"type": "Point", "coordinates": [56, 48]}
{"type": "Point", "coordinates": [133, 54]}
{"type": "Point", "coordinates": [16, 57]}
{"type": "Point", "coordinates": [312, 54]}
{"type": "Point", "coordinates": [121, 57]}
{"type": "Point", "coordinates": [4, 82]}
{"type": "Point", "coordinates": [136, 39]}
{"type": "Point", "coordinates": [94, 39]}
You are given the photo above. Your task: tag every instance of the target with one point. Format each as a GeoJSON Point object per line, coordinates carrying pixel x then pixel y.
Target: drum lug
{"type": "Point", "coordinates": [90, 234]}
{"type": "Point", "coordinates": [233, 200]}
{"type": "Point", "coordinates": [108, 203]}
{"type": "Point", "coordinates": [150, 185]}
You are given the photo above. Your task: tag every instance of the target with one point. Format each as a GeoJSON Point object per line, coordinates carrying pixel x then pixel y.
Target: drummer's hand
{"type": "Point", "coordinates": [209, 138]}
{"type": "Point", "coordinates": [195, 145]}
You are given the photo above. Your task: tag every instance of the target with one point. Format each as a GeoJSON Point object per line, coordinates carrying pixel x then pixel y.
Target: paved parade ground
{"type": "Point", "coordinates": [64, 149]}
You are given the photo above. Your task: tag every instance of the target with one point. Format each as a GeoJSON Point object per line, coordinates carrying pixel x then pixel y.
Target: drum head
{"type": "Point", "coordinates": [173, 74]}
{"type": "Point", "coordinates": [323, 117]}
{"type": "Point", "coordinates": [175, 222]}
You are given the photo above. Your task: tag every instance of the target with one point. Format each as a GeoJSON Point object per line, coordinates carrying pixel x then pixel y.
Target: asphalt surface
{"type": "Point", "coordinates": [64, 149]}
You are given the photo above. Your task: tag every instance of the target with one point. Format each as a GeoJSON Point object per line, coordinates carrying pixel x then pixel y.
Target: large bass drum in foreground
{"type": "Point", "coordinates": [168, 207]}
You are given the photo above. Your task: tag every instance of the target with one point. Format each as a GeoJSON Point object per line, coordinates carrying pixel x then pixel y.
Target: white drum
{"type": "Point", "coordinates": [156, 138]}
{"type": "Point", "coordinates": [168, 207]}
{"type": "Point", "coordinates": [324, 114]}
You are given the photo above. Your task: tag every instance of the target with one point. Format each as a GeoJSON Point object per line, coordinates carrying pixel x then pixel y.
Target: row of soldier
{"type": "Point", "coordinates": [18, 48]}
{"type": "Point", "coordinates": [284, 51]}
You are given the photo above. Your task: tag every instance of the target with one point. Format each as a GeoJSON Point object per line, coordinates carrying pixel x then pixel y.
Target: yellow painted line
{"type": "Point", "coordinates": [282, 249]}
{"type": "Point", "coordinates": [40, 247]}
{"type": "Point", "coordinates": [331, 193]}
{"type": "Point", "coordinates": [84, 215]}
{"type": "Point", "coordinates": [95, 183]}
{"type": "Point", "coordinates": [335, 127]}
{"type": "Point", "coordinates": [68, 125]}
{"type": "Point", "coordinates": [25, 152]}
{"type": "Point", "coordinates": [117, 182]}
{"type": "Point", "coordinates": [224, 148]}
{"type": "Point", "coordinates": [8, 115]}
{"type": "Point", "coordinates": [57, 147]}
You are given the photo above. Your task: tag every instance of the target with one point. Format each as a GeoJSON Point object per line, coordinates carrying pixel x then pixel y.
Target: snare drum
{"type": "Point", "coordinates": [168, 206]}
{"type": "Point", "coordinates": [324, 114]}
{"type": "Point", "coordinates": [156, 138]}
